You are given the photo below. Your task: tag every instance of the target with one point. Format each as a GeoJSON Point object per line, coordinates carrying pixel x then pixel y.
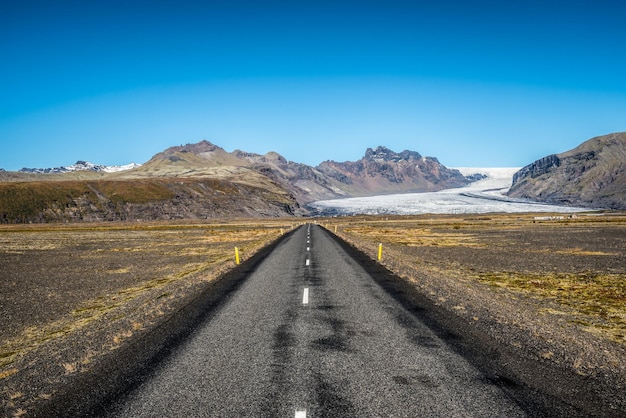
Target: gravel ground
{"type": "Point", "coordinates": [72, 295]}
{"type": "Point", "coordinates": [81, 296]}
{"type": "Point", "coordinates": [446, 268]}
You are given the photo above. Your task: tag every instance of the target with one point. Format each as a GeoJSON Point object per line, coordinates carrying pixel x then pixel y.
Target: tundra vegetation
{"type": "Point", "coordinates": [74, 292]}
{"type": "Point", "coordinates": [576, 264]}
{"type": "Point", "coordinates": [540, 292]}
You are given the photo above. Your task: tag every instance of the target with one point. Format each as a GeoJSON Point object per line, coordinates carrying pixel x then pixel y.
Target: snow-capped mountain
{"type": "Point", "coordinates": [81, 166]}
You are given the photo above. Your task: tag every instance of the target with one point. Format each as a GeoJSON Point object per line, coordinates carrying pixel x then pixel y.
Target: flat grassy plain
{"type": "Point", "coordinates": [71, 292]}
{"type": "Point", "coordinates": [74, 292]}
{"type": "Point", "coordinates": [577, 263]}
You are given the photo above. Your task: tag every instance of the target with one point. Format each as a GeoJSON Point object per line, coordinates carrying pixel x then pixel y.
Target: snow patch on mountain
{"type": "Point", "coordinates": [116, 168]}
{"type": "Point", "coordinates": [81, 166]}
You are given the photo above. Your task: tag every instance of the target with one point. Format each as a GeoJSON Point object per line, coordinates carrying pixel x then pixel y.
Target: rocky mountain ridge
{"type": "Point", "coordinates": [380, 171]}
{"type": "Point", "coordinates": [80, 166]}
{"type": "Point", "coordinates": [268, 185]}
{"type": "Point", "coordinates": [591, 175]}
{"type": "Point", "coordinates": [387, 172]}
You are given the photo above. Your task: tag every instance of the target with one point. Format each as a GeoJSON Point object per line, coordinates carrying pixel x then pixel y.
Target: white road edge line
{"type": "Point", "coordinates": [305, 297]}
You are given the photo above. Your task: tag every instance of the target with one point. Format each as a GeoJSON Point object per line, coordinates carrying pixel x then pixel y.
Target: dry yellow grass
{"type": "Point", "coordinates": [90, 274]}
{"type": "Point", "coordinates": [596, 301]}
{"type": "Point", "coordinates": [578, 263]}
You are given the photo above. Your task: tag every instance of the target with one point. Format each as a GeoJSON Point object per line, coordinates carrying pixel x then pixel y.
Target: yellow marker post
{"type": "Point", "coordinates": [335, 229]}
{"type": "Point", "coordinates": [380, 252]}
{"type": "Point", "coordinates": [236, 255]}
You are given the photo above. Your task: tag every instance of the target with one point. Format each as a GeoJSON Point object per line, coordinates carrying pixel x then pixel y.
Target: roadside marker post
{"type": "Point", "coordinates": [380, 252]}
{"type": "Point", "coordinates": [236, 255]}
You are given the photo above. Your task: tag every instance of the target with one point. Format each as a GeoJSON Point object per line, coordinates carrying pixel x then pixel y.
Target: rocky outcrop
{"type": "Point", "coordinates": [591, 175]}
{"type": "Point", "coordinates": [538, 168]}
{"type": "Point", "coordinates": [383, 171]}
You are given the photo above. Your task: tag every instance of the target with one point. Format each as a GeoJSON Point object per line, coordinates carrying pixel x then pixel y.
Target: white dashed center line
{"type": "Point", "coordinates": [300, 413]}
{"type": "Point", "coordinates": [305, 296]}
{"type": "Point", "coordinates": [308, 261]}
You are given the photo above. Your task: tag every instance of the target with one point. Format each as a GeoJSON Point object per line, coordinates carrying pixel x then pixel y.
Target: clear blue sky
{"type": "Point", "coordinates": [473, 83]}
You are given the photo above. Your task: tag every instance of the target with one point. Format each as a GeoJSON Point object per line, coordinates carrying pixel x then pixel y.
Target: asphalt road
{"type": "Point", "coordinates": [310, 333]}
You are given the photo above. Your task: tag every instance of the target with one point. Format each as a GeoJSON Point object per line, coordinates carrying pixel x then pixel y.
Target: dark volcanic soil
{"type": "Point", "coordinates": [72, 294]}
{"type": "Point", "coordinates": [551, 292]}
{"type": "Point", "coordinates": [46, 274]}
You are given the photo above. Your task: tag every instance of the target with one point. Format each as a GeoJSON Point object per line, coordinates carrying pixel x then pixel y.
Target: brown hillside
{"type": "Point", "coordinates": [139, 199]}
{"type": "Point", "coordinates": [590, 175]}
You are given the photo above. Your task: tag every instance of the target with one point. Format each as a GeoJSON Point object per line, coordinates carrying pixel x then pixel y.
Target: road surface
{"type": "Point", "coordinates": [311, 334]}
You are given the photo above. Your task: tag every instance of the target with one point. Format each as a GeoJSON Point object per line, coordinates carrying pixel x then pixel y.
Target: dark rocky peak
{"type": "Point", "coordinates": [244, 154]}
{"type": "Point", "coordinates": [538, 168]}
{"type": "Point", "coordinates": [381, 153]}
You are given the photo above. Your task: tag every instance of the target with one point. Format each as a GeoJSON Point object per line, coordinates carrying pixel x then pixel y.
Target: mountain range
{"type": "Point", "coordinates": [380, 171]}
{"type": "Point", "coordinates": [81, 166]}
{"type": "Point", "coordinates": [591, 175]}
{"type": "Point", "coordinates": [203, 180]}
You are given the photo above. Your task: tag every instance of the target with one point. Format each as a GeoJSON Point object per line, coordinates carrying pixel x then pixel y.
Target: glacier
{"type": "Point", "coordinates": [483, 196]}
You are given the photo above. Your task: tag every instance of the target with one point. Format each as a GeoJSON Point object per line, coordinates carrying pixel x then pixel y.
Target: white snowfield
{"type": "Point", "coordinates": [483, 196]}
{"type": "Point", "coordinates": [118, 168]}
